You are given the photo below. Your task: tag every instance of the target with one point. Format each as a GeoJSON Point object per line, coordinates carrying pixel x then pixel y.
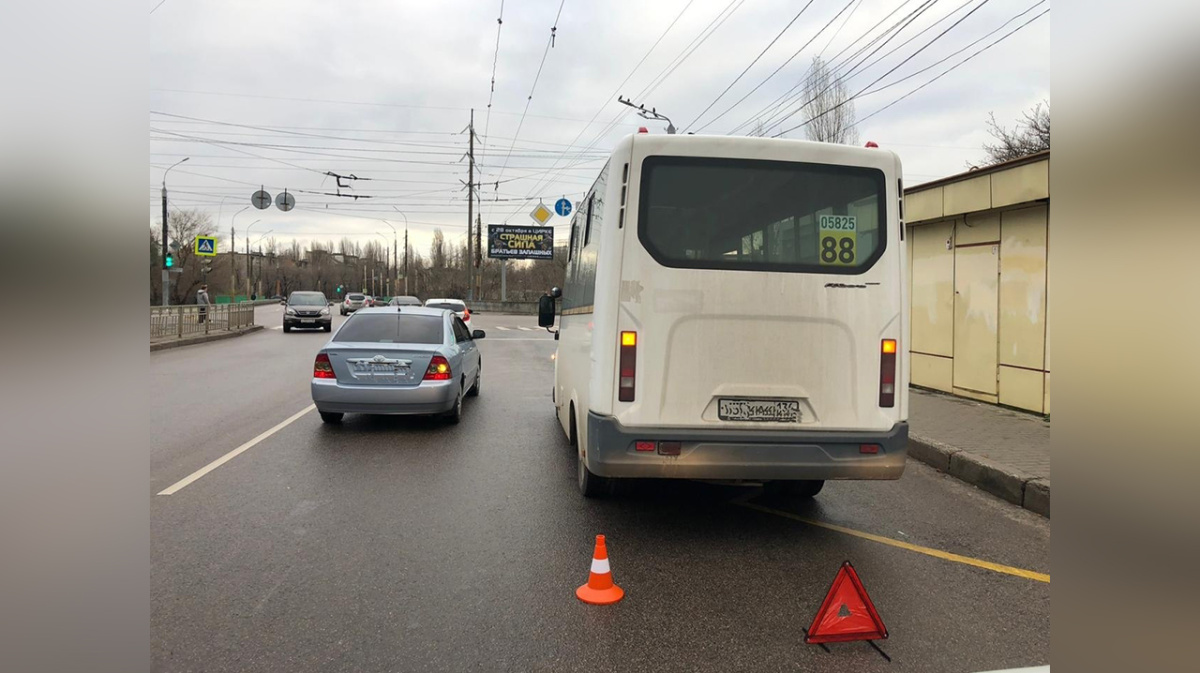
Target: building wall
{"type": "Point", "coordinates": [977, 251]}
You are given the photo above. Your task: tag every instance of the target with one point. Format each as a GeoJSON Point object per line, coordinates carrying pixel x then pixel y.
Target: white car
{"type": "Point", "coordinates": [457, 305]}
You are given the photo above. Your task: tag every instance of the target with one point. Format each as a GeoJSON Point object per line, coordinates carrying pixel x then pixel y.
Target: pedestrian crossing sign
{"type": "Point", "coordinates": [206, 246]}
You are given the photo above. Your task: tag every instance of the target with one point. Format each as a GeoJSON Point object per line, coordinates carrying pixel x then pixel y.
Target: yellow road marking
{"type": "Point", "coordinates": [928, 551]}
{"type": "Point", "coordinates": [174, 488]}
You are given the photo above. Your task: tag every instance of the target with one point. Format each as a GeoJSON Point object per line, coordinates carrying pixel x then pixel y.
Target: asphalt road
{"type": "Point", "coordinates": [393, 544]}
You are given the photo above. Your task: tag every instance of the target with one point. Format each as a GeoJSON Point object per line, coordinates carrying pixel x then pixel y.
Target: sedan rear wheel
{"type": "Point", "coordinates": [475, 388]}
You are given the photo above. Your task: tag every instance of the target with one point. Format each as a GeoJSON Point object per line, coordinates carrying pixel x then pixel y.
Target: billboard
{"type": "Point", "coordinates": [513, 242]}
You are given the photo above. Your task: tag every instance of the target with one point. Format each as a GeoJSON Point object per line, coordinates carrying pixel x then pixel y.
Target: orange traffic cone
{"type": "Point", "coordinates": [600, 589]}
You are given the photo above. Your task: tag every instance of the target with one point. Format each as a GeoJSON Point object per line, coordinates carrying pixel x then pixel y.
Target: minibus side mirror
{"type": "Point", "coordinates": [546, 311]}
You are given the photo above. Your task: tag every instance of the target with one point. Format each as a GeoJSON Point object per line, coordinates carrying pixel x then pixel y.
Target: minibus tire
{"type": "Point", "coordinates": [591, 485]}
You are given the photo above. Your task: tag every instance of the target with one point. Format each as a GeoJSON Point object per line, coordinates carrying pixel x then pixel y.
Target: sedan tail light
{"type": "Point", "coordinates": [322, 368]}
{"type": "Point", "coordinates": [466, 314]}
{"type": "Point", "coordinates": [439, 369]}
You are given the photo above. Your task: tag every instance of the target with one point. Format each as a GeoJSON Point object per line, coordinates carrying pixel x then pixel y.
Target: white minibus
{"type": "Point", "coordinates": [733, 310]}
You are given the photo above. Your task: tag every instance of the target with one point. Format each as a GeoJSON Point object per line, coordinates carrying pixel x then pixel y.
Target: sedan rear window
{"type": "Point", "coordinates": [355, 297]}
{"type": "Point", "coordinates": [449, 305]}
{"type": "Point", "coordinates": [383, 328]}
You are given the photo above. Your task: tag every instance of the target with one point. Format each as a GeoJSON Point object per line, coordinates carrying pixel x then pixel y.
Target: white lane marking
{"type": "Point", "coordinates": [600, 566]}
{"type": "Point", "coordinates": [275, 327]}
{"type": "Point", "coordinates": [507, 339]}
{"type": "Point", "coordinates": [503, 329]}
{"type": "Point", "coordinates": [528, 329]}
{"type": "Point", "coordinates": [174, 488]}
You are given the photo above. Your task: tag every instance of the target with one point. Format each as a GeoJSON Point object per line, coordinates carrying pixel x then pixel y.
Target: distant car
{"type": "Point", "coordinates": [460, 309]}
{"type": "Point", "coordinates": [353, 302]}
{"type": "Point", "coordinates": [384, 361]}
{"type": "Point", "coordinates": [308, 310]}
{"type": "Point", "coordinates": [405, 301]}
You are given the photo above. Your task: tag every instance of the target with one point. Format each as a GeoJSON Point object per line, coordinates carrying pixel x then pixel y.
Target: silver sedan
{"type": "Point", "coordinates": [397, 360]}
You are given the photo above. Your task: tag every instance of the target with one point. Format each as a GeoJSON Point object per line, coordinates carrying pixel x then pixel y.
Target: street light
{"type": "Point", "coordinates": [405, 247]}
{"type": "Point", "coordinates": [166, 273]}
{"type": "Point", "coordinates": [385, 255]}
{"type": "Point", "coordinates": [256, 243]}
{"type": "Point", "coordinates": [248, 254]}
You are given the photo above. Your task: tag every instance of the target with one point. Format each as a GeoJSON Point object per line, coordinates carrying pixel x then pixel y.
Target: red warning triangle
{"type": "Point", "coordinates": [847, 612]}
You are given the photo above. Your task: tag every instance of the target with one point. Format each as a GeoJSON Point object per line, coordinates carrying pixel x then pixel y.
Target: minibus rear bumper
{"type": "Point", "coordinates": [745, 454]}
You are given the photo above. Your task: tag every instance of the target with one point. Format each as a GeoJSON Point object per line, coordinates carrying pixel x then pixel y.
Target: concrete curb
{"type": "Point", "coordinates": [1000, 480]}
{"type": "Point", "coordinates": [205, 338]}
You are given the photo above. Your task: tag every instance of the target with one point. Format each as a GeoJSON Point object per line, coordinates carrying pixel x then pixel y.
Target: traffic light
{"type": "Point", "coordinates": [169, 261]}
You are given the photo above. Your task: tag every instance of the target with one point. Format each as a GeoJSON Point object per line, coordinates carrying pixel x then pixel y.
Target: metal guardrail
{"type": "Point", "coordinates": [191, 320]}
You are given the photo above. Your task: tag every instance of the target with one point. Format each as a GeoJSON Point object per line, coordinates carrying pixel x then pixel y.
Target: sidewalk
{"type": "Point", "coordinates": [1004, 452]}
{"type": "Point", "coordinates": [161, 343]}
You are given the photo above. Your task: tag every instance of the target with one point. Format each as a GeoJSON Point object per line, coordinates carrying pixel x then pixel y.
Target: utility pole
{"type": "Point", "coordinates": [406, 259]}
{"type": "Point", "coordinates": [166, 273]}
{"type": "Point", "coordinates": [233, 261]}
{"type": "Point", "coordinates": [470, 202]}
{"type": "Point", "coordinates": [479, 256]}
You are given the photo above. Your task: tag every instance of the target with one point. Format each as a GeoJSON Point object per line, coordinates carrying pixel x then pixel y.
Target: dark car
{"type": "Point", "coordinates": [405, 301]}
{"type": "Point", "coordinates": [308, 310]}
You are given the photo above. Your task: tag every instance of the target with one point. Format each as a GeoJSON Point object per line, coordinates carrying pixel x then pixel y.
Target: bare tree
{"type": "Point", "coordinates": [1030, 136]}
{"type": "Point", "coordinates": [829, 109]}
{"type": "Point", "coordinates": [185, 226]}
{"type": "Point", "coordinates": [437, 250]}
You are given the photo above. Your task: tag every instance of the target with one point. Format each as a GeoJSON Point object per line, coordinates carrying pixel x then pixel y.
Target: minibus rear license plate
{"type": "Point", "coordinates": [765, 410]}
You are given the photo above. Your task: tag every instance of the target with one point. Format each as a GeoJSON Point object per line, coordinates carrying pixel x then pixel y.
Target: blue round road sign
{"type": "Point", "coordinates": [562, 207]}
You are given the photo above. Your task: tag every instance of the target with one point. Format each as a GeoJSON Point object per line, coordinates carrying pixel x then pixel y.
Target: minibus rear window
{"type": "Point", "coordinates": [756, 215]}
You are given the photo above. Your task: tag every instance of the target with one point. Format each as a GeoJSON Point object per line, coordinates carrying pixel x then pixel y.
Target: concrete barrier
{"type": "Point", "coordinates": [518, 307]}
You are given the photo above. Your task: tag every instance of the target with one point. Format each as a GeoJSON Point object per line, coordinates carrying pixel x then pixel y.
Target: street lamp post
{"type": "Point", "coordinates": [405, 247]}
{"type": "Point", "coordinates": [248, 255]}
{"type": "Point", "coordinates": [233, 251]}
{"type": "Point", "coordinates": [258, 244]}
{"type": "Point", "coordinates": [386, 273]}
{"type": "Point", "coordinates": [166, 273]}
{"type": "Point", "coordinates": [392, 273]}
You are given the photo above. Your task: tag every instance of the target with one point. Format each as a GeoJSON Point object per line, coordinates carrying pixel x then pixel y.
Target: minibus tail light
{"type": "Point", "coordinates": [627, 367]}
{"type": "Point", "coordinates": [887, 373]}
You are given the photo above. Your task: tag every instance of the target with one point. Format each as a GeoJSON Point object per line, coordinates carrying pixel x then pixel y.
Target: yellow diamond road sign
{"type": "Point", "coordinates": [541, 214]}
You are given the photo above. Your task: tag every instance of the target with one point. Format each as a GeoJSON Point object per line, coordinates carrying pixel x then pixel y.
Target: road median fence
{"type": "Point", "coordinates": [179, 322]}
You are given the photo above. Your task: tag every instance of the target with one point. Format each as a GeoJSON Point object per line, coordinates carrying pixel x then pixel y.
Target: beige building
{"type": "Point", "coordinates": [977, 263]}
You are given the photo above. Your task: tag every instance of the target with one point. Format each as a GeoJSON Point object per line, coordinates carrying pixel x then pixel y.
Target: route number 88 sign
{"type": "Point", "coordinates": [838, 238]}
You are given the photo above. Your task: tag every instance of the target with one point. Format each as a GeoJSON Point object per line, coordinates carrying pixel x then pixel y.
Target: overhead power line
{"type": "Point", "coordinates": [776, 71]}
{"type": "Point", "coordinates": [782, 100]}
{"type": "Point", "coordinates": [662, 76]}
{"type": "Point", "coordinates": [747, 68]}
{"type": "Point", "coordinates": [608, 99]}
{"type": "Point", "coordinates": [956, 65]}
{"type": "Point", "coordinates": [893, 69]}
{"type": "Point", "coordinates": [533, 88]}
{"type": "Point", "coordinates": [874, 46]}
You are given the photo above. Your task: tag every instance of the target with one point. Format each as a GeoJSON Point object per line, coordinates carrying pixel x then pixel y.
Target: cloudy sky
{"type": "Point", "coordinates": [276, 94]}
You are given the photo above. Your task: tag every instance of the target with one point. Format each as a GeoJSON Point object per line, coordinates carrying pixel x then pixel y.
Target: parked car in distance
{"type": "Point", "coordinates": [384, 361]}
{"type": "Point", "coordinates": [353, 302]}
{"type": "Point", "coordinates": [307, 310]}
{"type": "Point", "coordinates": [405, 301]}
{"type": "Point", "coordinates": [457, 305]}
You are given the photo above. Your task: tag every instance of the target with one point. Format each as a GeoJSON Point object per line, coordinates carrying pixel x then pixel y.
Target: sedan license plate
{"type": "Point", "coordinates": [764, 410]}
